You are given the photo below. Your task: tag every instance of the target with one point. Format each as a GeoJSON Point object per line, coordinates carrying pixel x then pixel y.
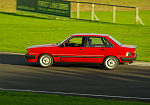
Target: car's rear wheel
{"type": "Point", "coordinates": [111, 62]}
{"type": "Point", "coordinates": [45, 60]}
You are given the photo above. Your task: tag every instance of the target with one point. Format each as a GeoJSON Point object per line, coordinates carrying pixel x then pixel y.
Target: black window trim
{"type": "Point", "coordinates": [103, 38]}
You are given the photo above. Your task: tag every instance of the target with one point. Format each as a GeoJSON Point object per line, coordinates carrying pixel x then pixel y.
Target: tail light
{"type": "Point", "coordinates": [134, 52]}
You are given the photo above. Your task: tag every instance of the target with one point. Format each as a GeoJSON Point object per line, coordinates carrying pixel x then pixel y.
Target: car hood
{"type": "Point", "coordinates": [43, 45]}
{"type": "Point", "coordinates": [129, 46]}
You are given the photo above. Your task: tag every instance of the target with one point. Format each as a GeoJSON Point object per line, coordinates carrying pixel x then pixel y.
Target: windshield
{"type": "Point", "coordinates": [62, 42]}
{"type": "Point", "coordinates": [116, 41]}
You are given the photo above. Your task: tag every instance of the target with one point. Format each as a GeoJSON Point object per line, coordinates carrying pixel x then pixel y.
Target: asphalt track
{"type": "Point", "coordinates": [127, 81]}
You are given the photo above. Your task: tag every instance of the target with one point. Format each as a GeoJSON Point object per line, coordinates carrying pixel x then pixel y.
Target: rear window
{"type": "Point", "coordinates": [116, 41]}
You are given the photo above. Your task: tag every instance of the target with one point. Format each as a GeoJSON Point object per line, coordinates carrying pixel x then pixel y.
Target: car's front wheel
{"type": "Point", "coordinates": [45, 60]}
{"type": "Point", "coordinates": [111, 62]}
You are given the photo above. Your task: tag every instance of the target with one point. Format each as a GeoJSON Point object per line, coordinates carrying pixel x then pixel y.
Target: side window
{"type": "Point", "coordinates": [75, 42]}
{"type": "Point", "coordinates": [95, 42]}
{"type": "Point", "coordinates": [107, 43]}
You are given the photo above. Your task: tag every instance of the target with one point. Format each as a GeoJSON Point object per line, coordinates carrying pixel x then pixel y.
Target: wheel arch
{"type": "Point", "coordinates": [113, 56]}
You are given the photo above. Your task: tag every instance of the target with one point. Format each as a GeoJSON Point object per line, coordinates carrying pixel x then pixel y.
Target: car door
{"type": "Point", "coordinates": [72, 51]}
{"type": "Point", "coordinates": [95, 50]}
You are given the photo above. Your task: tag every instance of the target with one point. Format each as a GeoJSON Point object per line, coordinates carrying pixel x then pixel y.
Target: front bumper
{"type": "Point", "coordinates": [30, 56]}
{"type": "Point", "coordinates": [129, 59]}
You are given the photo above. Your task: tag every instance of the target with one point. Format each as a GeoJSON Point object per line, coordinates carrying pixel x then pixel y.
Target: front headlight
{"type": "Point", "coordinates": [27, 51]}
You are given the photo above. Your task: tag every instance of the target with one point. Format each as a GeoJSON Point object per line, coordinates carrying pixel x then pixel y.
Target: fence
{"type": "Point", "coordinates": [63, 8]}
{"type": "Point", "coordinates": [93, 15]}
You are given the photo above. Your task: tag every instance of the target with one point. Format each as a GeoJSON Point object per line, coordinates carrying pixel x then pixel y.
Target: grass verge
{"type": "Point", "coordinates": [20, 30]}
{"type": "Point", "coordinates": [24, 98]}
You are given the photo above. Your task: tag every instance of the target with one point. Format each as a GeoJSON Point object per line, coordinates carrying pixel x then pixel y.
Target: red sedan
{"type": "Point", "coordinates": [83, 48]}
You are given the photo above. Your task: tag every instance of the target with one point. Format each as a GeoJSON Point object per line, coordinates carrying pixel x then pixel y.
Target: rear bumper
{"type": "Point", "coordinates": [129, 59]}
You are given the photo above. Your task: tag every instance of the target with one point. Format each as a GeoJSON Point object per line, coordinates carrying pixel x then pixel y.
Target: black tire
{"type": "Point", "coordinates": [45, 60]}
{"type": "Point", "coordinates": [111, 62]}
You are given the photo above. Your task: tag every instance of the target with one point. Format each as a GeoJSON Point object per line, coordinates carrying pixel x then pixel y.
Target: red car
{"type": "Point", "coordinates": [83, 48]}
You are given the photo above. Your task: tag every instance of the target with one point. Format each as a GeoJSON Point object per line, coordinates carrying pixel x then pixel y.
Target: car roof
{"type": "Point", "coordinates": [89, 34]}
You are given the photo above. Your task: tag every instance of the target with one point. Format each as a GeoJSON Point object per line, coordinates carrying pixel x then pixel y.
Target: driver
{"type": "Point", "coordinates": [80, 45]}
{"type": "Point", "coordinates": [83, 41]}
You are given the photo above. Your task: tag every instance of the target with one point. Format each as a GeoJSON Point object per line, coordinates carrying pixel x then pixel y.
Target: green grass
{"type": "Point", "coordinates": [24, 98]}
{"type": "Point", "coordinates": [20, 30]}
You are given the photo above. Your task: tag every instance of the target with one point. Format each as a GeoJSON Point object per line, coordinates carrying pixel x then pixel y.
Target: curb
{"type": "Point", "coordinates": [140, 63]}
{"type": "Point", "coordinates": [12, 53]}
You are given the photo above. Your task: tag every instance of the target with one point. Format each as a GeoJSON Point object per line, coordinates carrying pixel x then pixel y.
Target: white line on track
{"type": "Point", "coordinates": [75, 94]}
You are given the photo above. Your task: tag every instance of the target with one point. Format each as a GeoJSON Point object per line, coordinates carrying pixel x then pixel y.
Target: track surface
{"type": "Point", "coordinates": [126, 80]}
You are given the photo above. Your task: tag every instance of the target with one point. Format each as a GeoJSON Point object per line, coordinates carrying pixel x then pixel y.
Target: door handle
{"type": "Point", "coordinates": [80, 49]}
{"type": "Point", "coordinates": [102, 49]}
